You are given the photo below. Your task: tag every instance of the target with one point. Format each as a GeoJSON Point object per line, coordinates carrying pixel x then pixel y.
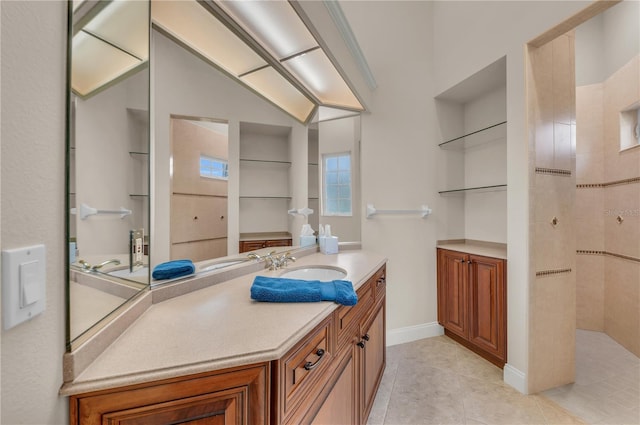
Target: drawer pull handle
{"type": "Point", "coordinates": [381, 281]}
{"type": "Point", "coordinates": [361, 344]}
{"type": "Point", "coordinates": [366, 337]}
{"type": "Point", "coordinates": [310, 365]}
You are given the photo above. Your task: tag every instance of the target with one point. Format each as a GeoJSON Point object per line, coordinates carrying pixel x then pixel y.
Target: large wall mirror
{"type": "Point", "coordinates": [108, 188]}
{"type": "Point", "coordinates": [212, 166]}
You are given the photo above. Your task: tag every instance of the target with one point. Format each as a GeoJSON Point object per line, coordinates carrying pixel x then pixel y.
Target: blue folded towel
{"type": "Point", "coordinates": [275, 289]}
{"type": "Point", "coordinates": [173, 269]}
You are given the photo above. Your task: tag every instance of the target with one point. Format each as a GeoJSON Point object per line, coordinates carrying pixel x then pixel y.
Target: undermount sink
{"type": "Point", "coordinates": [322, 273]}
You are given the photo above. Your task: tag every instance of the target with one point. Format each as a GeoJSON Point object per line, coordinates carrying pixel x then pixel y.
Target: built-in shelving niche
{"type": "Point", "coordinates": [472, 166]}
{"type": "Point", "coordinates": [265, 166]}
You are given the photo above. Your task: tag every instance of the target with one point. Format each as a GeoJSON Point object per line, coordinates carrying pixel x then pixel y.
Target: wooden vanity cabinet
{"type": "Point", "coordinates": [252, 245]}
{"type": "Point", "coordinates": [330, 376]}
{"type": "Point", "coordinates": [233, 396]}
{"type": "Point", "coordinates": [472, 302]}
{"type": "Point", "coordinates": [343, 393]}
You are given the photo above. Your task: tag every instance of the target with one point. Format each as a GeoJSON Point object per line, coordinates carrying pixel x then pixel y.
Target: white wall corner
{"type": "Point", "coordinates": [413, 333]}
{"type": "Point", "coordinates": [515, 378]}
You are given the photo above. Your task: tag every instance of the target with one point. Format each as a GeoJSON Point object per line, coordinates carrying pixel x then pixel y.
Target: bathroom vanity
{"type": "Point", "coordinates": [215, 356]}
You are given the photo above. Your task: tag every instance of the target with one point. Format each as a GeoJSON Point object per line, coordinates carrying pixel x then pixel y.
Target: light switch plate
{"type": "Point", "coordinates": [23, 284]}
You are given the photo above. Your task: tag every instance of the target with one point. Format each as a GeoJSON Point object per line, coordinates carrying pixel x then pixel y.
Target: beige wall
{"type": "Point", "coordinates": [33, 150]}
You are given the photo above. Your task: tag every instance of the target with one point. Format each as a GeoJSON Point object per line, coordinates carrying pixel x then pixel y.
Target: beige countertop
{"type": "Point", "coordinates": [214, 328]}
{"type": "Point", "coordinates": [486, 249]}
{"type": "Point", "coordinates": [267, 235]}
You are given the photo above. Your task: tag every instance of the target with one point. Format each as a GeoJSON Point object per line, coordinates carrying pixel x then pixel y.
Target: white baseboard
{"type": "Point", "coordinates": [413, 333]}
{"type": "Point", "coordinates": [515, 378]}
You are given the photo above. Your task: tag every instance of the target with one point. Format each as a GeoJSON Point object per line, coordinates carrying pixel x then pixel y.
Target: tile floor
{"type": "Point", "coordinates": [438, 381]}
{"type": "Point", "coordinates": [607, 387]}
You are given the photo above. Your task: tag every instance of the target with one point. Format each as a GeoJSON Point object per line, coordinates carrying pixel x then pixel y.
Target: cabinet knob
{"type": "Point", "coordinates": [360, 344]}
{"type": "Point", "coordinates": [381, 281]}
{"type": "Point", "coordinates": [221, 217]}
{"type": "Point", "coordinates": [195, 218]}
{"type": "Point", "coordinates": [366, 337]}
{"type": "Point", "coordinates": [469, 262]}
{"type": "Point", "coordinates": [312, 365]}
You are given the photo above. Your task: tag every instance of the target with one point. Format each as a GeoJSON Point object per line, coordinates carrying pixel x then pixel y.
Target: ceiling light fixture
{"type": "Point", "coordinates": [110, 41]}
{"type": "Point", "coordinates": [262, 44]}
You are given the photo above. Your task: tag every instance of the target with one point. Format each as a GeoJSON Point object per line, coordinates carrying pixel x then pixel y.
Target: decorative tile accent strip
{"type": "Point", "coordinates": [552, 272]}
{"type": "Point", "coordinates": [613, 183]}
{"type": "Point", "coordinates": [625, 181]}
{"type": "Point", "coordinates": [553, 171]}
{"type": "Point", "coordinates": [589, 185]}
{"type": "Point", "coordinates": [610, 254]}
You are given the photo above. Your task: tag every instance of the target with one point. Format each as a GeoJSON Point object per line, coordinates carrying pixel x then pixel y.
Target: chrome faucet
{"type": "Point", "coordinates": [104, 263]}
{"type": "Point", "coordinates": [273, 261]}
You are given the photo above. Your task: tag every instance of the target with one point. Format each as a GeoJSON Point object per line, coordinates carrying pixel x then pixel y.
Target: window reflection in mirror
{"type": "Point", "coordinates": [108, 220]}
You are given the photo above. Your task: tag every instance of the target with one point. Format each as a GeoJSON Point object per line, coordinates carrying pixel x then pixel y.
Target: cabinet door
{"type": "Point", "coordinates": [340, 405]}
{"type": "Point", "coordinates": [487, 305]}
{"type": "Point", "coordinates": [222, 408]}
{"type": "Point", "coordinates": [372, 354]}
{"type": "Point", "coordinates": [452, 291]}
{"type": "Point", "coordinates": [232, 396]}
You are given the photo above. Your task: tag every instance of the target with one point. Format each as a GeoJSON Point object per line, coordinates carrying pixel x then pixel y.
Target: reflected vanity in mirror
{"type": "Point", "coordinates": [108, 159]}
{"type": "Point", "coordinates": [213, 162]}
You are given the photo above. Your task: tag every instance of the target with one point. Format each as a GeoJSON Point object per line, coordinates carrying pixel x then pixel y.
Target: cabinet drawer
{"type": "Point", "coordinates": [347, 316]}
{"type": "Point", "coordinates": [305, 364]}
{"type": "Point", "coordinates": [380, 282]}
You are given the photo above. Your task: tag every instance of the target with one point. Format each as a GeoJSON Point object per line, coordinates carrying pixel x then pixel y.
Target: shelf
{"type": "Point", "coordinates": [136, 195]}
{"type": "Point", "coordinates": [480, 189]}
{"type": "Point", "coordinates": [135, 154]}
{"type": "Point", "coordinates": [265, 161]}
{"type": "Point", "coordinates": [479, 137]}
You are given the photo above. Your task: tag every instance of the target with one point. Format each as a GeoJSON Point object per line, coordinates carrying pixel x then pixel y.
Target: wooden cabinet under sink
{"type": "Point", "coordinates": [330, 376]}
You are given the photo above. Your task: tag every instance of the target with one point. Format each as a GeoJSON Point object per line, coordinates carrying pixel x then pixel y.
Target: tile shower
{"type": "Point", "coordinates": [608, 210]}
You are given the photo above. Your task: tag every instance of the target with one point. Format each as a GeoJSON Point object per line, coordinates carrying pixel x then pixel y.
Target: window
{"type": "Point", "coordinates": [630, 127]}
{"type": "Point", "coordinates": [336, 184]}
{"type": "Point", "coordinates": [214, 168]}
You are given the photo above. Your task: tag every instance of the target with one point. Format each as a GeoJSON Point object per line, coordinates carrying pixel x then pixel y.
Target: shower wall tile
{"type": "Point", "coordinates": [621, 90]}
{"type": "Point", "coordinates": [589, 222]}
{"type": "Point", "coordinates": [541, 65]}
{"type": "Point", "coordinates": [563, 79]}
{"type": "Point", "coordinates": [622, 302]}
{"type": "Point", "coordinates": [563, 153]}
{"type": "Point", "coordinates": [553, 297]}
{"type": "Point", "coordinates": [544, 143]}
{"type": "Point", "coordinates": [590, 292]}
{"type": "Point", "coordinates": [590, 134]}
{"type": "Point", "coordinates": [552, 320]}
{"type": "Point", "coordinates": [589, 109]}
{"type": "Point", "coordinates": [624, 201]}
